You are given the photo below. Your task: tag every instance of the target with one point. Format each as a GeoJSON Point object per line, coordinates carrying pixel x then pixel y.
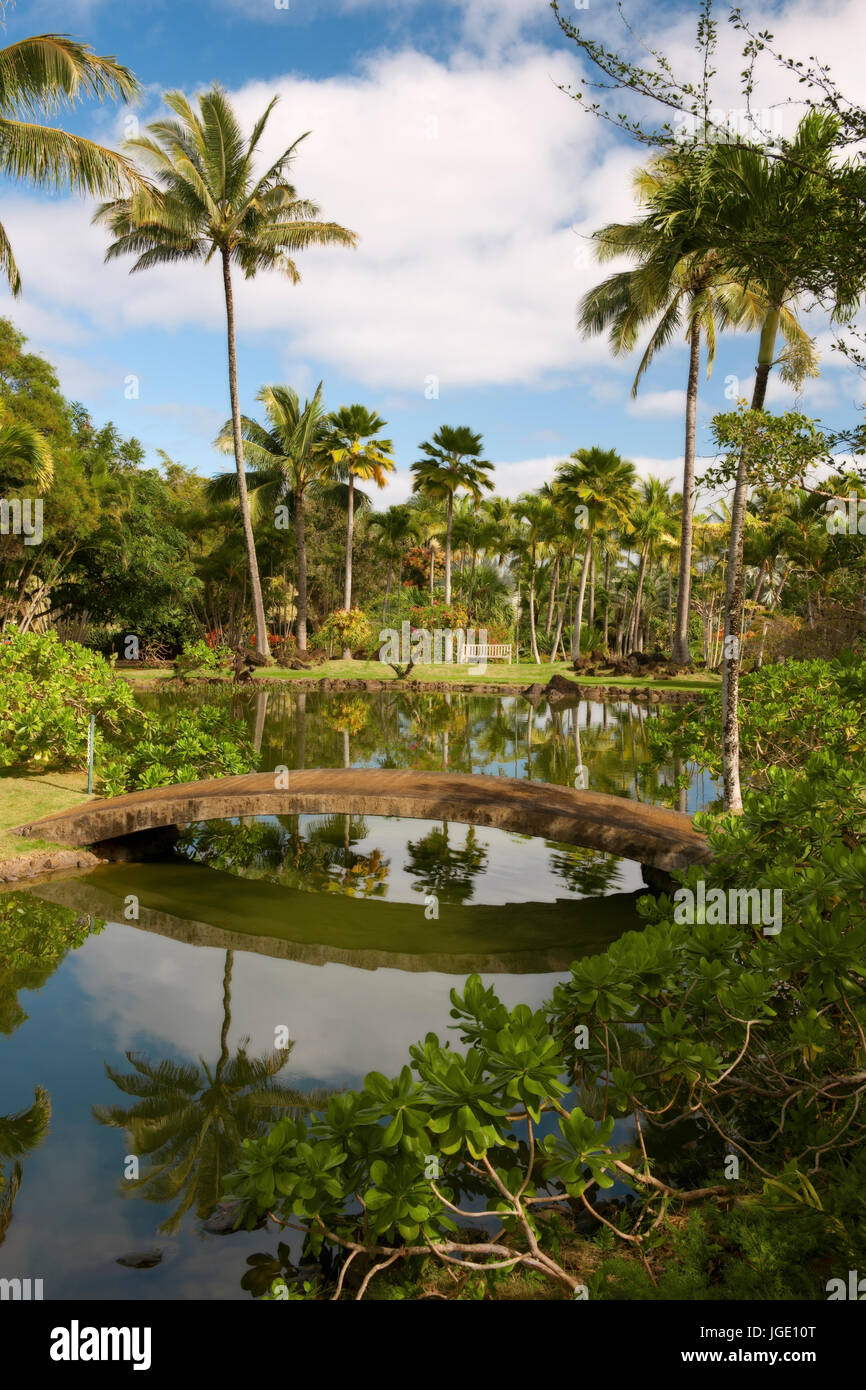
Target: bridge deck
{"type": "Point", "coordinates": [649, 834]}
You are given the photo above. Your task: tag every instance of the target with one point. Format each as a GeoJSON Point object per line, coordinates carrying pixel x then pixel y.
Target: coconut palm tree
{"type": "Point", "coordinates": [37, 76]}
{"type": "Point", "coordinates": [743, 194]}
{"type": "Point", "coordinates": [210, 203]}
{"type": "Point", "coordinates": [650, 523]}
{"type": "Point", "coordinates": [360, 455]}
{"type": "Point", "coordinates": [20, 1134]}
{"type": "Point", "coordinates": [541, 527]}
{"type": "Point", "coordinates": [288, 461]}
{"type": "Point", "coordinates": [602, 482]}
{"type": "Point", "coordinates": [189, 1120]}
{"type": "Point", "coordinates": [675, 284]}
{"type": "Point", "coordinates": [452, 462]}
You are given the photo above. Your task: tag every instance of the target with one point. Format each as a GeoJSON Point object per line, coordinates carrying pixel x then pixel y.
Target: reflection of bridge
{"type": "Point", "coordinates": [649, 834]}
{"type": "Point", "coordinates": [206, 907]}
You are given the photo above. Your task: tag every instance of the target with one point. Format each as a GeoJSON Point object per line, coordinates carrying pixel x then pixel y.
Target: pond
{"type": "Point", "coordinates": [162, 989]}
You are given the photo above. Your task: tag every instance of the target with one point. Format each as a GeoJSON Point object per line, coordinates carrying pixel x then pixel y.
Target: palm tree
{"type": "Point", "coordinates": [393, 530]}
{"type": "Point", "coordinates": [25, 456]}
{"type": "Point", "coordinates": [287, 462]}
{"type": "Point", "coordinates": [189, 1121]}
{"type": "Point", "coordinates": [452, 461]}
{"type": "Point", "coordinates": [210, 203]}
{"type": "Point", "coordinates": [361, 456]}
{"type": "Point", "coordinates": [37, 76]}
{"type": "Point", "coordinates": [745, 193]}
{"type": "Point", "coordinates": [649, 521]}
{"type": "Point", "coordinates": [602, 482]}
{"type": "Point", "coordinates": [672, 284]}
{"type": "Point", "coordinates": [20, 1134]}
{"type": "Point", "coordinates": [542, 526]}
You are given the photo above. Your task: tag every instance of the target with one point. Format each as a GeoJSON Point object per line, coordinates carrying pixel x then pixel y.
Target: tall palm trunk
{"type": "Point", "coordinates": [680, 648]}
{"type": "Point", "coordinates": [733, 796]}
{"type": "Point", "coordinates": [448, 547]}
{"type": "Point", "coordinates": [350, 527]}
{"type": "Point", "coordinates": [243, 496]}
{"type": "Point", "coordinates": [581, 594]}
{"type": "Point", "coordinates": [387, 588]}
{"type": "Point", "coordinates": [301, 534]}
{"type": "Point", "coordinates": [227, 1015]}
{"type": "Point", "coordinates": [471, 581]}
{"type": "Point", "coordinates": [533, 635]}
{"type": "Point", "coordinates": [634, 622]}
{"type": "Point", "coordinates": [563, 607]}
{"type": "Point", "coordinates": [551, 599]}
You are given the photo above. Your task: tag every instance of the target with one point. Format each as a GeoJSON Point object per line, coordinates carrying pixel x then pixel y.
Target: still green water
{"type": "Point", "coordinates": [155, 987]}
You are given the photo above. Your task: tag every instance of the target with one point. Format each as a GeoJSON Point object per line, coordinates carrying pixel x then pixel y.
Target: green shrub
{"type": "Point", "coordinates": [48, 691]}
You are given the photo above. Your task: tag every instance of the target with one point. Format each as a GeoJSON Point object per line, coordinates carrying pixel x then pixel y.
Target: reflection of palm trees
{"type": "Point", "coordinates": [443, 870]}
{"type": "Point", "coordinates": [320, 859]}
{"type": "Point", "coordinates": [189, 1121]}
{"type": "Point", "coordinates": [20, 1134]}
{"type": "Point", "coordinates": [585, 871]}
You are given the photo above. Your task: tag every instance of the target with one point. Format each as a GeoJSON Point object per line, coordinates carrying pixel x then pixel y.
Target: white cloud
{"type": "Point", "coordinates": [658, 404]}
{"type": "Point", "coordinates": [470, 182]}
{"type": "Point", "coordinates": [466, 186]}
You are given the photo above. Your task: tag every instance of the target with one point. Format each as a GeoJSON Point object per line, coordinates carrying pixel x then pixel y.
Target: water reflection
{"type": "Point", "coordinates": [461, 733]}
{"type": "Point", "coordinates": [189, 1119]}
{"type": "Point", "coordinates": [173, 1029]}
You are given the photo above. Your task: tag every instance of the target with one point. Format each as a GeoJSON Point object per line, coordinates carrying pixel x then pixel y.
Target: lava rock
{"type": "Point", "coordinates": [140, 1259]}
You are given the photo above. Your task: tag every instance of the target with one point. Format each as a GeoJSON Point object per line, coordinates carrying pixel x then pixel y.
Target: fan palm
{"type": "Point", "coordinates": [360, 455]}
{"type": "Point", "coordinates": [210, 203]}
{"type": "Point", "coordinates": [287, 462]}
{"type": "Point", "coordinates": [452, 462]}
{"type": "Point", "coordinates": [38, 76]}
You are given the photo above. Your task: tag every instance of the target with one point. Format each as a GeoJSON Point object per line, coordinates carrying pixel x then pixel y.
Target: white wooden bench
{"type": "Point", "coordinates": [473, 652]}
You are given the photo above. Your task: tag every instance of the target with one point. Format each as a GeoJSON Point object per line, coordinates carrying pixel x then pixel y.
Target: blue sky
{"type": "Point", "coordinates": [440, 137]}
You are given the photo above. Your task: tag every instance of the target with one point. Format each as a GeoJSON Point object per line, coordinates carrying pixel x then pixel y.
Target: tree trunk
{"type": "Point", "coordinates": [536, 658]}
{"type": "Point", "coordinates": [733, 796]}
{"type": "Point", "coordinates": [680, 649]}
{"type": "Point", "coordinates": [300, 532]}
{"type": "Point", "coordinates": [347, 590]}
{"type": "Point", "coordinates": [554, 582]}
{"type": "Point", "coordinates": [448, 547]}
{"type": "Point", "coordinates": [563, 608]}
{"type": "Point", "coordinates": [262, 647]}
{"type": "Point", "coordinates": [387, 589]}
{"type": "Point", "coordinates": [581, 594]}
{"type": "Point", "coordinates": [634, 621]}
{"type": "Point", "coordinates": [471, 582]}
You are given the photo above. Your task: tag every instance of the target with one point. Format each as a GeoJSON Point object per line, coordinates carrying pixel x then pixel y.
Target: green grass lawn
{"type": "Point", "coordinates": [498, 672]}
{"type": "Point", "coordinates": [24, 797]}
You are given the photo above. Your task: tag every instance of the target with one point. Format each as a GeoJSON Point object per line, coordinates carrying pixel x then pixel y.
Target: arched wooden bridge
{"type": "Point", "coordinates": [651, 835]}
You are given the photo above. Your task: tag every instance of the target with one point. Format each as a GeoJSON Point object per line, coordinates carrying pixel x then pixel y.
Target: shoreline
{"type": "Point", "coordinates": [643, 692]}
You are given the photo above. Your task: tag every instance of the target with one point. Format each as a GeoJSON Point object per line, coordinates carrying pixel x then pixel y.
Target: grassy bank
{"type": "Point", "coordinates": [497, 673]}
{"type": "Point", "coordinates": [25, 797]}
